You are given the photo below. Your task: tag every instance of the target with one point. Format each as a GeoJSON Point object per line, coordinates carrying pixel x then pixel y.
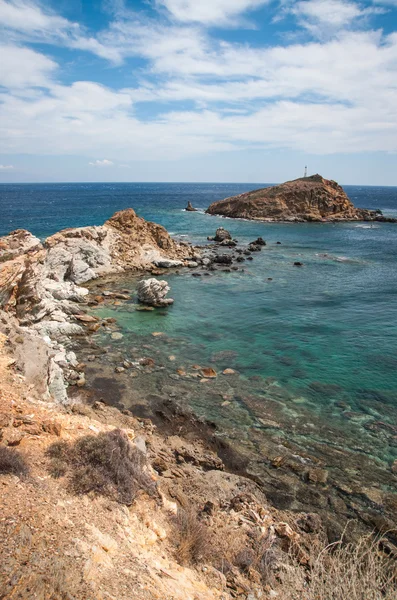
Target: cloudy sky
{"type": "Point", "coordinates": [198, 90]}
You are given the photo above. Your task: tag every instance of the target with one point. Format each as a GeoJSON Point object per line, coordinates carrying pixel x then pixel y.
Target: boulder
{"type": "Point", "coordinates": [221, 235]}
{"type": "Point", "coordinates": [167, 263]}
{"type": "Point", "coordinates": [259, 242]}
{"type": "Point", "coordinates": [190, 208]}
{"type": "Point", "coordinates": [153, 292]}
{"type": "Point", "coordinates": [223, 259]}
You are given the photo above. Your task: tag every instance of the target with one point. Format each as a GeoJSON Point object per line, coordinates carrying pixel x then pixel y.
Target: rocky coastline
{"type": "Point", "coordinates": [44, 402]}
{"type": "Point", "coordinates": [308, 199]}
{"type": "Point", "coordinates": [48, 295]}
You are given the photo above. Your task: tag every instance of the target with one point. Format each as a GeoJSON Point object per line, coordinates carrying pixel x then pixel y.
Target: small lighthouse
{"type": "Point", "coordinates": [305, 175]}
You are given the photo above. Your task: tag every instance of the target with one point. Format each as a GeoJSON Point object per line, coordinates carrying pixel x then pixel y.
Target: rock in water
{"type": "Point", "coordinates": [307, 199]}
{"type": "Point", "coordinates": [153, 292]}
{"type": "Point", "coordinates": [190, 207]}
{"type": "Point", "coordinates": [222, 234]}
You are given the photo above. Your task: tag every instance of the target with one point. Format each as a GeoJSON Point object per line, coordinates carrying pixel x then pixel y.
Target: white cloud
{"type": "Point", "coordinates": [102, 163]}
{"type": "Point", "coordinates": [6, 167]}
{"type": "Point", "coordinates": [209, 12]}
{"type": "Point", "coordinates": [332, 12]}
{"type": "Point", "coordinates": [325, 17]}
{"type": "Point", "coordinates": [24, 68]}
{"type": "Point", "coordinates": [21, 20]}
{"type": "Point", "coordinates": [27, 16]}
{"type": "Point", "coordinates": [318, 97]}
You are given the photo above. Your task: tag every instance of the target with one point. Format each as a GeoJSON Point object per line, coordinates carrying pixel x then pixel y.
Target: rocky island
{"type": "Point", "coordinates": [306, 199]}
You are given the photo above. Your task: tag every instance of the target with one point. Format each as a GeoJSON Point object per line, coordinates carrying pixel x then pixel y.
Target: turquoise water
{"type": "Point", "coordinates": [314, 347]}
{"type": "Point", "coordinates": [326, 332]}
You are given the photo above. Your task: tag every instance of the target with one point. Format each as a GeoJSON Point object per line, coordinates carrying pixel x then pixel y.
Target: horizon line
{"type": "Point", "coordinates": [177, 182]}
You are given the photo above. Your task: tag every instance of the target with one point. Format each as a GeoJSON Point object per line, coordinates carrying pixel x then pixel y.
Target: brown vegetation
{"type": "Point", "coordinates": [192, 537]}
{"type": "Point", "coordinates": [12, 462]}
{"type": "Point", "coordinates": [107, 464]}
{"type": "Point", "coordinates": [355, 571]}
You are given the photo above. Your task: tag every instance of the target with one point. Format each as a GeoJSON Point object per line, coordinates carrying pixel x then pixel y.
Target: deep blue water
{"type": "Point", "coordinates": [324, 334]}
{"type": "Point", "coordinates": [47, 208]}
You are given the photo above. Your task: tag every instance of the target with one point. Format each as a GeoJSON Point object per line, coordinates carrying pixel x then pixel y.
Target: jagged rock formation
{"type": "Point", "coordinates": [307, 199]}
{"type": "Point", "coordinates": [190, 207]}
{"type": "Point", "coordinates": [41, 278]}
{"type": "Point", "coordinates": [41, 283]}
{"type": "Point", "coordinates": [153, 292]}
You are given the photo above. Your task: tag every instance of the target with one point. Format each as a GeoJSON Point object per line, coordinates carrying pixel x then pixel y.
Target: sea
{"type": "Point", "coordinates": [314, 348]}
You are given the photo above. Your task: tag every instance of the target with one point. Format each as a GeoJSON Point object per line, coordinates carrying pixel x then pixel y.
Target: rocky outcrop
{"type": "Point", "coordinates": [41, 284]}
{"type": "Point", "coordinates": [221, 235]}
{"type": "Point", "coordinates": [153, 292]}
{"type": "Point", "coordinates": [16, 243]}
{"type": "Point", "coordinates": [190, 207]}
{"type": "Point", "coordinates": [40, 280]}
{"type": "Point", "coordinates": [307, 199]}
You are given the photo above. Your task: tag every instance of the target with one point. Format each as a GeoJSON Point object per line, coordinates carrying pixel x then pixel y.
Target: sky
{"type": "Point", "coordinates": [198, 90]}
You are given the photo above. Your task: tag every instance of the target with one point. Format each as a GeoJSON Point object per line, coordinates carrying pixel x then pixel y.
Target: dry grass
{"type": "Point", "coordinates": [192, 537]}
{"type": "Point", "coordinates": [359, 571]}
{"type": "Point", "coordinates": [106, 464]}
{"type": "Point", "coordinates": [49, 581]}
{"type": "Point", "coordinates": [12, 462]}
{"type": "Point", "coordinates": [260, 556]}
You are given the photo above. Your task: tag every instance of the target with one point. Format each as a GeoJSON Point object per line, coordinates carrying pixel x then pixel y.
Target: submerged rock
{"type": "Point", "coordinates": [153, 292]}
{"type": "Point", "coordinates": [208, 372]}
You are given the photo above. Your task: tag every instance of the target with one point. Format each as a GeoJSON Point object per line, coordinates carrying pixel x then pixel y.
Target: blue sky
{"type": "Point", "coordinates": [198, 90]}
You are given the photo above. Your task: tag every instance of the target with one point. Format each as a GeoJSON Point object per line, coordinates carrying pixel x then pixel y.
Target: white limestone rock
{"type": "Point", "coordinates": [153, 292]}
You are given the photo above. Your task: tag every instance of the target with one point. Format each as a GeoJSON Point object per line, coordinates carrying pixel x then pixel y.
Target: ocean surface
{"type": "Point", "coordinates": [315, 347]}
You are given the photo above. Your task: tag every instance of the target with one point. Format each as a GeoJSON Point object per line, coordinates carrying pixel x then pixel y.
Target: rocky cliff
{"type": "Point", "coordinates": [307, 199]}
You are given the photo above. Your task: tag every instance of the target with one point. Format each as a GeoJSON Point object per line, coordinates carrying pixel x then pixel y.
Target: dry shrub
{"type": "Point", "coordinates": [192, 537]}
{"type": "Point", "coordinates": [356, 571]}
{"type": "Point", "coordinates": [48, 582]}
{"type": "Point", "coordinates": [12, 462]}
{"type": "Point", "coordinates": [260, 556]}
{"type": "Point", "coordinates": [107, 464]}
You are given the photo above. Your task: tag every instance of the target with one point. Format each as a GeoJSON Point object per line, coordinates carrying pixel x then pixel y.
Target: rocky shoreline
{"type": "Point", "coordinates": [49, 319]}
{"type": "Point", "coordinates": [44, 311]}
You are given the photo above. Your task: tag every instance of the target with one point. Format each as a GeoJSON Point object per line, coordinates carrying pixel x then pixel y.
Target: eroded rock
{"type": "Point", "coordinates": [153, 292]}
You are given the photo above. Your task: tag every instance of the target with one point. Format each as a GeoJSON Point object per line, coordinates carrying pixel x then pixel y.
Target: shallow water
{"type": "Point", "coordinates": [314, 347]}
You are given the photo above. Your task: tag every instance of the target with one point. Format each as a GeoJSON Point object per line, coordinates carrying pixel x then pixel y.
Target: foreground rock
{"type": "Point", "coordinates": [307, 199]}
{"type": "Point", "coordinates": [153, 292]}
